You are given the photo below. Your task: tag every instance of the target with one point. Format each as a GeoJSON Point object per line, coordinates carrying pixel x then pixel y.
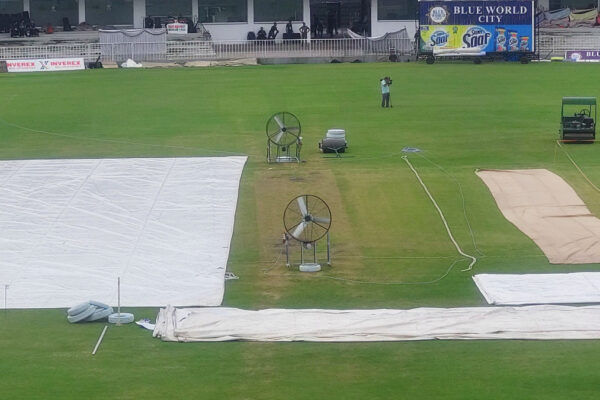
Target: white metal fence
{"type": "Point", "coordinates": [221, 50]}
{"type": "Point", "coordinates": [557, 45]}
{"type": "Point", "coordinates": [214, 50]}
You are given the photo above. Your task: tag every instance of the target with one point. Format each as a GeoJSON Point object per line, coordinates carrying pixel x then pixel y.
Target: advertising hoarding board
{"type": "Point", "coordinates": [502, 26]}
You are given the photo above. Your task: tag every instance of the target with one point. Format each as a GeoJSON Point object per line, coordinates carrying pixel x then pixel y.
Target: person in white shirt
{"type": "Point", "coordinates": [385, 91]}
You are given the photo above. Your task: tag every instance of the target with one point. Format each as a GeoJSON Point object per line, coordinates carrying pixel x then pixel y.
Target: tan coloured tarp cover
{"type": "Point", "coordinates": [545, 208]}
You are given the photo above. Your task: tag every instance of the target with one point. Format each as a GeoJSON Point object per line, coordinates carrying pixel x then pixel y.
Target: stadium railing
{"type": "Point", "coordinates": [213, 50]}
{"type": "Point", "coordinates": [549, 46]}
{"type": "Point", "coordinates": [556, 46]}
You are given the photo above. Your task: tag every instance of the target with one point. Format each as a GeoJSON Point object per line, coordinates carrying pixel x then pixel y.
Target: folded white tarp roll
{"type": "Point", "coordinates": [545, 208]}
{"type": "Point", "coordinates": [507, 289]}
{"type": "Point", "coordinates": [530, 322]}
{"type": "Point", "coordinates": [472, 51]}
{"type": "Point", "coordinates": [131, 64]}
{"type": "Point", "coordinates": [70, 228]}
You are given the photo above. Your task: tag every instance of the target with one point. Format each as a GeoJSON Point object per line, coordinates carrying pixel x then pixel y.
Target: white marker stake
{"type": "Point", "coordinates": [119, 300]}
{"type": "Point", "coordinates": [100, 339]}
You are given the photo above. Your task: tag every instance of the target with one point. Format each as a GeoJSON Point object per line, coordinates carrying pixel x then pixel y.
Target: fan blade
{"type": "Point", "coordinates": [278, 122]}
{"type": "Point", "coordinates": [299, 229]}
{"type": "Point", "coordinates": [302, 206]}
{"type": "Point", "coordinates": [278, 137]}
{"type": "Point", "coordinates": [321, 220]}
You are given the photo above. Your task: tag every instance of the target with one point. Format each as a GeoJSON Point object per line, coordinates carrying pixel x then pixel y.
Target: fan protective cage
{"type": "Point", "coordinates": [283, 128]}
{"type": "Point", "coordinates": [307, 218]}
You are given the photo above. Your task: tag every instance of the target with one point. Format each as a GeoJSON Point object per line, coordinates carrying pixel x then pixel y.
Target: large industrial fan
{"type": "Point", "coordinates": [283, 138]}
{"type": "Point", "coordinates": [307, 219]}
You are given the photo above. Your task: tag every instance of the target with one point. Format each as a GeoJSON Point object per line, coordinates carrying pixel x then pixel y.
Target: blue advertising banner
{"type": "Point", "coordinates": [485, 26]}
{"type": "Point", "coordinates": [515, 12]}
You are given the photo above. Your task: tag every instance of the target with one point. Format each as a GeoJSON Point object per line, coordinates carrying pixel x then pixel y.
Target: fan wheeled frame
{"type": "Point", "coordinates": [307, 219]}
{"type": "Point", "coordinates": [284, 142]}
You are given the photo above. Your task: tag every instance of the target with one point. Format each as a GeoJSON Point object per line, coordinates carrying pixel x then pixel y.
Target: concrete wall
{"type": "Point", "coordinates": [81, 10]}
{"type": "Point", "coordinates": [139, 13]}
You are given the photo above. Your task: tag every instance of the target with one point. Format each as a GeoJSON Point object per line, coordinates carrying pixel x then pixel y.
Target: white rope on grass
{"type": "Point", "coordinates": [577, 166]}
{"type": "Point", "coordinates": [462, 196]}
{"type": "Point", "coordinates": [274, 263]}
{"type": "Point", "coordinates": [335, 278]}
{"type": "Point", "coordinates": [473, 259]}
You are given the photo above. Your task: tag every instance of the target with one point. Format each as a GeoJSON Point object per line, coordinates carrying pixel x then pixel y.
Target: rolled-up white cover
{"type": "Point", "coordinates": [513, 289]}
{"type": "Point", "coordinates": [530, 322]}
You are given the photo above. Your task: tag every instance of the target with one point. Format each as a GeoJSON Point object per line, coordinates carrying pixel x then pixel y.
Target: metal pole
{"type": "Point", "coordinates": [119, 301]}
{"type": "Point", "coordinates": [100, 339]}
{"type": "Point", "coordinates": [5, 295]}
{"type": "Point", "coordinates": [287, 253]}
{"type": "Point", "coordinates": [315, 252]}
{"type": "Point", "coordinates": [328, 252]}
{"type": "Point", "coordinates": [301, 253]}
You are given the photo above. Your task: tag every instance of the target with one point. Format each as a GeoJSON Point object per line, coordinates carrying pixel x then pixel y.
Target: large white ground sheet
{"type": "Point", "coordinates": [508, 289]}
{"type": "Point", "coordinates": [529, 322]}
{"type": "Point", "coordinates": [70, 228]}
{"type": "Point", "coordinates": [544, 207]}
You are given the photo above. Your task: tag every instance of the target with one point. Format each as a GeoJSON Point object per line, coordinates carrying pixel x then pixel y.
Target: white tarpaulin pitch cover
{"type": "Point", "coordinates": [576, 287]}
{"type": "Point", "coordinates": [69, 228]}
{"type": "Point", "coordinates": [545, 208]}
{"type": "Point", "coordinates": [529, 322]}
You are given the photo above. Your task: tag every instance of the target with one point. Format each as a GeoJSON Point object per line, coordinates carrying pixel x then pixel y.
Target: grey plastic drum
{"type": "Point", "coordinates": [123, 318]}
{"type": "Point", "coordinates": [100, 313]}
{"type": "Point", "coordinates": [78, 309]}
{"type": "Point", "coordinates": [99, 305]}
{"type": "Point", "coordinates": [82, 315]}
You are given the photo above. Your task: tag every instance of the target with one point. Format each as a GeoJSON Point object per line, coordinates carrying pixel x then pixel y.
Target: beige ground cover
{"type": "Point", "coordinates": [544, 207]}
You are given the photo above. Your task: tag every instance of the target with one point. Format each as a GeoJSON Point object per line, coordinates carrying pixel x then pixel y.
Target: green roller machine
{"type": "Point", "coordinates": [578, 119]}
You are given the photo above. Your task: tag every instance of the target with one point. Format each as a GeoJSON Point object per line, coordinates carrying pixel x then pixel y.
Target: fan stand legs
{"type": "Point", "coordinates": [328, 250]}
{"type": "Point", "coordinates": [287, 252]}
{"type": "Point", "coordinates": [288, 154]}
{"type": "Point", "coordinates": [312, 266]}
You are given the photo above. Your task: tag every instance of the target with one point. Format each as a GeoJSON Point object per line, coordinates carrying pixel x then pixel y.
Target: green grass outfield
{"type": "Point", "coordinates": [462, 116]}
